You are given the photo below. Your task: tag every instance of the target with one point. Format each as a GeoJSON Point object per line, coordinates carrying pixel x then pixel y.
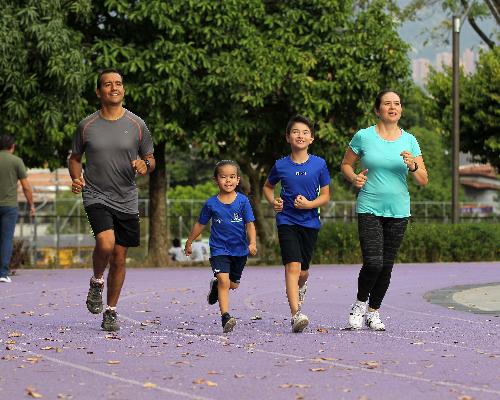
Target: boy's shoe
{"type": "Point", "coordinates": [357, 315]}
{"type": "Point", "coordinates": [213, 293]}
{"type": "Point", "coordinates": [299, 322]}
{"type": "Point", "coordinates": [110, 321]}
{"type": "Point", "coordinates": [373, 321]}
{"type": "Point", "coordinates": [302, 293]}
{"type": "Point", "coordinates": [94, 297]}
{"type": "Point", "coordinates": [5, 279]}
{"type": "Point", "coordinates": [228, 323]}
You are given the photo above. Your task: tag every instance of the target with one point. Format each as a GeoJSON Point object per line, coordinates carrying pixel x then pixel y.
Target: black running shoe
{"type": "Point", "coordinates": [228, 323]}
{"type": "Point", "coordinates": [213, 293]}
{"type": "Point", "coordinates": [110, 321]}
{"type": "Point", "coordinates": [94, 297]}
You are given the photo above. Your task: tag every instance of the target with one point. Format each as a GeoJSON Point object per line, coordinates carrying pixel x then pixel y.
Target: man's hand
{"type": "Point", "coordinates": [140, 167]}
{"type": "Point", "coordinates": [77, 185]}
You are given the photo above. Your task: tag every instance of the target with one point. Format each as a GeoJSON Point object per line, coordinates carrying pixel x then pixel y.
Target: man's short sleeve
{"type": "Point", "coordinates": [146, 144]}
{"type": "Point", "coordinates": [21, 170]}
{"type": "Point", "coordinates": [205, 214]}
{"type": "Point", "coordinates": [78, 146]}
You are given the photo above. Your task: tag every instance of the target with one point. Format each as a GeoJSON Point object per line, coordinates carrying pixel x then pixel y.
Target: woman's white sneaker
{"type": "Point", "coordinates": [373, 321]}
{"type": "Point", "coordinates": [357, 315]}
{"type": "Point", "coordinates": [299, 322]}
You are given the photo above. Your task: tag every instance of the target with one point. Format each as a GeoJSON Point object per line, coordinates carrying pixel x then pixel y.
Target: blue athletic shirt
{"type": "Point", "coordinates": [228, 235]}
{"type": "Point", "coordinates": [306, 179]}
{"type": "Point", "coordinates": [385, 193]}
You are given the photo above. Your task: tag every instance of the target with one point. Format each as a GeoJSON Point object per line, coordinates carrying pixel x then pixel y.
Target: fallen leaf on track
{"type": "Point", "coordinates": [149, 385]}
{"type": "Point", "coordinates": [31, 392]}
{"type": "Point", "coordinates": [370, 364]}
{"type": "Point", "coordinates": [317, 369]}
{"type": "Point", "coordinates": [15, 334]}
{"type": "Point", "coordinates": [204, 382]}
{"type": "Point", "coordinates": [113, 362]}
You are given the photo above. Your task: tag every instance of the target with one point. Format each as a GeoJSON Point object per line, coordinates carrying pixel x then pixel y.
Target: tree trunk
{"type": "Point", "coordinates": [158, 233]}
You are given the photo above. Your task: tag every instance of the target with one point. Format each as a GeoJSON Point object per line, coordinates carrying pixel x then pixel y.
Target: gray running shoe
{"type": "Point", "coordinates": [299, 322]}
{"type": "Point", "coordinates": [213, 293]}
{"type": "Point", "coordinates": [94, 297]}
{"type": "Point", "coordinates": [110, 321]}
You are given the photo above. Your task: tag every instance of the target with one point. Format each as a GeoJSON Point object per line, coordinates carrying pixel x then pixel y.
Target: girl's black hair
{"type": "Point", "coordinates": [378, 98]}
{"type": "Point", "coordinates": [222, 163]}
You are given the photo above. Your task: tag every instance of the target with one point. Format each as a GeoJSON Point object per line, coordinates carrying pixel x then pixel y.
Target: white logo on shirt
{"type": "Point", "coordinates": [236, 218]}
{"type": "Point", "coordinates": [218, 220]}
{"type": "Point", "coordinates": [298, 173]}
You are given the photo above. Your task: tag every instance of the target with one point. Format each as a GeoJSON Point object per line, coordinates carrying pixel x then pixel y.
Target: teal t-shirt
{"type": "Point", "coordinates": [385, 193]}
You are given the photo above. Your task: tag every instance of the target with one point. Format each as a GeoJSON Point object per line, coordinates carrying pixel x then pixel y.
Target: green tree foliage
{"type": "Point", "coordinates": [42, 76]}
{"type": "Point", "coordinates": [479, 106]}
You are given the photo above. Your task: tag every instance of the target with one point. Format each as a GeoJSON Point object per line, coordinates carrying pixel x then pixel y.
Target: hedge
{"type": "Point", "coordinates": [423, 242]}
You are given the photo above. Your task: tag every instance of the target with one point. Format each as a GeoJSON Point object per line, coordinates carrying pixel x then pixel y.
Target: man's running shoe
{"type": "Point", "coordinates": [110, 321]}
{"type": "Point", "coordinates": [94, 297]}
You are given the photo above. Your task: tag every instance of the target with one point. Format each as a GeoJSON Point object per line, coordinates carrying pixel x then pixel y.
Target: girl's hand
{"type": "Point", "coordinates": [278, 204]}
{"type": "Point", "coordinates": [187, 248]}
{"type": "Point", "coordinates": [252, 249]}
{"type": "Point", "coordinates": [301, 202]}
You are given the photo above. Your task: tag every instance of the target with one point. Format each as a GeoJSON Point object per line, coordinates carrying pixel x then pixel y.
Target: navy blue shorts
{"type": "Point", "coordinates": [297, 244]}
{"type": "Point", "coordinates": [233, 265]}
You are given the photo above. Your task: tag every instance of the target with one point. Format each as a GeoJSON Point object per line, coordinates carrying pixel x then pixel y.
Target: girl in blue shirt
{"type": "Point", "coordinates": [387, 153]}
{"type": "Point", "coordinates": [232, 222]}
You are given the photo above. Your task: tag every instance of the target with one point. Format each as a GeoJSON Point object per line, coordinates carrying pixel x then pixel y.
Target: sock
{"type": "Point", "coordinates": [95, 280]}
{"type": "Point", "coordinates": [110, 308]}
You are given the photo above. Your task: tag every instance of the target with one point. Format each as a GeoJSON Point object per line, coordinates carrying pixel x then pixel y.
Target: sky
{"type": "Point", "coordinates": [414, 33]}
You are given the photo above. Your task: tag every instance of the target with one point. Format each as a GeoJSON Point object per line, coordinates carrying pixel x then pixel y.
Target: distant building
{"type": "Point", "coordinates": [443, 60]}
{"type": "Point", "coordinates": [46, 183]}
{"type": "Point", "coordinates": [469, 62]}
{"type": "Point", "coordinates": [420, 67]}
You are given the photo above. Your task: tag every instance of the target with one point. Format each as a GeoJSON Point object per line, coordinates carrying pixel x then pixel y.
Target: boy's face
{"type": "Point", "coordinates": [300, 136]}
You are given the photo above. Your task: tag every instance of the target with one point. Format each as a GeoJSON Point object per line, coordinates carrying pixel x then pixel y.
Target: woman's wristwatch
{"type": "Point", "coordinates": [414, 169]}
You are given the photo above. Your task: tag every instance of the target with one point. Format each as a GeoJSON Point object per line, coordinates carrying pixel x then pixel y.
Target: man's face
{"type": "Point", "coordinates": [111, 90]}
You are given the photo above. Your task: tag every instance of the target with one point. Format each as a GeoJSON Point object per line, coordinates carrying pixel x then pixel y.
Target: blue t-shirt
{"type": "Point", "coordinates": [306, 179]}
{"type": "Point", "coordinates": [228, 236]}
{"type": "Point", "coordinates": [385, 193]}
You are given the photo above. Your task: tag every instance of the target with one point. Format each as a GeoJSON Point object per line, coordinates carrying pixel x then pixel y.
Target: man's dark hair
{"type": "Point", "coordinates": [302, 119]}
{"type": "Point", "coordinates": [107, 71]}
{"type": "Point", "coordinates": [6, 142]}
{"type": "Point", "coordinates": [378, 98]}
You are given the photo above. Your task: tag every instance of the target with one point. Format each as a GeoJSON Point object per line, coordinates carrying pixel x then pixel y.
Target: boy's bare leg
{"type": "Point", "coordinates": [292, 275]}
{"type": "Point", "coordinates": [116, 275]}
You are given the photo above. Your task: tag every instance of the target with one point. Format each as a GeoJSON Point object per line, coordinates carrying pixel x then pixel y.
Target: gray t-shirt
{"type": "Point", "coordinates": [110, 147]}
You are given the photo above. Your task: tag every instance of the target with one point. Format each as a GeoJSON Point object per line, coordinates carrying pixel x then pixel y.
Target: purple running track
{"type": "Point", "coordinates": [171, 344]}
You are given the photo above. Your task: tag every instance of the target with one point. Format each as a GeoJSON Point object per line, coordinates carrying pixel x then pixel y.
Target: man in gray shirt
{"type": "Point", "coordinates": [117, 145]}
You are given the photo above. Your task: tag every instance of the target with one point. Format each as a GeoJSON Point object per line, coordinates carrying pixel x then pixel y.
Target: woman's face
{"type": "Point", "coordinates": [390, 108]}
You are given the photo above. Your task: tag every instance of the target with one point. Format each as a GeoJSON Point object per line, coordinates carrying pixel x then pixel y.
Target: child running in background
{"type": "Point", "coordinates": [232, 222]}
{"type": "Point", "coordinates": [304, 188]}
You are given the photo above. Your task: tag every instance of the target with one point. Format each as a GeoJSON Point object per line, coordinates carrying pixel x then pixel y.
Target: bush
{"type": "Point", "coordinates": [423, 242]}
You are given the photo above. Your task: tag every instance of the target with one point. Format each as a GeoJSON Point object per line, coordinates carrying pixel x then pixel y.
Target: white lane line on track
{"type": "Point", "coordinates": [113, 377]}
{"type": "Point", "coordinates": [335, 364]}
{"type": "Point", "coordinates": [434, 315]}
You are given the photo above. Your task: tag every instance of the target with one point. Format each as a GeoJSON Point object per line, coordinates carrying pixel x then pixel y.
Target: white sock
{"type": "Point", "coordinates": [100, 281]}
{"type": "Point", "coordinates": [110, 308]}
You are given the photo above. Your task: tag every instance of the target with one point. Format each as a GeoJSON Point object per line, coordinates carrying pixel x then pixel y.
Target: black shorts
{"type": "Point", "coordinates": [125, 225]}
{"type": "Point", "coordinates": [233, 265]}
{"type": "Point", "coordinates": [297, 244]}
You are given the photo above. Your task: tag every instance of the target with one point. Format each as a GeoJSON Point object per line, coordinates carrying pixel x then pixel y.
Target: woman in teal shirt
{"type": "Point", "coordinates": [387, 154]}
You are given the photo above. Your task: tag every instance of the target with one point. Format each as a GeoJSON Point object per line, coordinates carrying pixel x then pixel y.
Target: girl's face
{"type": "Point", "coordinates": [227, 178]}
{"type": "Point", "coordinates": [390, 108]}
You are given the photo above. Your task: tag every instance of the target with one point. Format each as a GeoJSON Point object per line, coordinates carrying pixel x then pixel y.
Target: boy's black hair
{"type": "Point", "coordinates": [302, 119]}
{"type": "Point", "coordinates": [107, 71]}
{"type": "Point", "coordinates": [378, 98]}
{"type": "Point", "coordinates": [6, 141]}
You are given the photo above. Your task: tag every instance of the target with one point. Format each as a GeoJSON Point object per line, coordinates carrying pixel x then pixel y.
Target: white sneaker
{"type": "Point", "coordinates": [5, 279]}
{"type": "Point", "coordinates": [357, 315]}
{"type": "Point", "coordinates": [299, 322]}
{"type": "Point", "coordinates": [302, 293]}
{"type": "Point", "coordinates": [373, 321]}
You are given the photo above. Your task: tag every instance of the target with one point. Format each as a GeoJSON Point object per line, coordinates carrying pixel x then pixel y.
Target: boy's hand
{"type": "Point", "coordinates": [187, 248]}
{"type": "Point", "coordinates": [278, 204]}
{"type": "Point", "coordinates": [252, 248]}
{"type": "Point", "coordinates": [301, 202]}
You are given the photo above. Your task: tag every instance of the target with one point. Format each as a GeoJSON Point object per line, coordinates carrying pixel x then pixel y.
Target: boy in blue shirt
{"type": "Point", "coordinates": [232, 221]}
{"type": "Point", "coordinates": [304, 188]}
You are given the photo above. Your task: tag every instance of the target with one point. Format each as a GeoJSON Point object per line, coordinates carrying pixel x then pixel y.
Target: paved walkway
{"type": "Point", "coordinates": [442, 338]}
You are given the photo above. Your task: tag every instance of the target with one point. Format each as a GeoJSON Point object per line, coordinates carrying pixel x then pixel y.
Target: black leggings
{"type": "Point", "coordinates": [380, 238]}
